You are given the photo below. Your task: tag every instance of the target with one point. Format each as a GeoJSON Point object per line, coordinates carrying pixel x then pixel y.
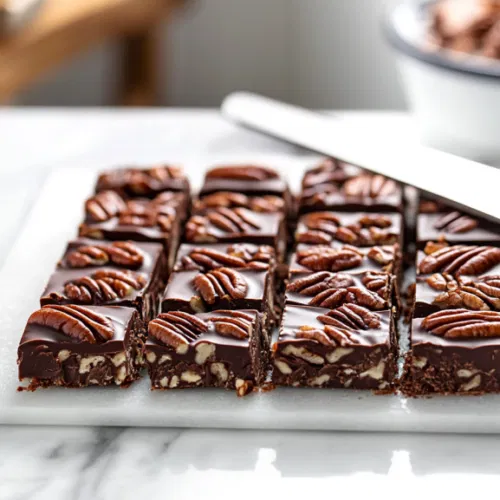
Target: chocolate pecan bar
{"type": "Point", "coordinates": [458, 260]}
{"type": "Point", "coordinates": [138, 182]}
{"type": "Point", "coordinates": [443, 291]}
{"type": "Point", "coordinates": [252, 180]}
{"type": "Point", "coordinates": [454, 351]}
{"type": "Point", "coordinates": [358, 229]}
{"type": "Point", "coordinates": [109, 216]}
{"type": "Point", "coordinates": [238, 225]}
{"type": "Point", "coordinates": [438, 222]}
{"type": "Point", "coordinates": [217, 349]}
{"type": "Point", "coordinates": [235, 255]}
{"type": "Point", "coordinates": [77, 346]}
{"type": "Point", "coordinates": [337, 186]}
{"type": "Point", "coordinates": [371, 289]}
{"type": "Point", "coordinates": [221, 288]}
{"type": "Point", "coordinates": [346, 258]}
{"type": "Point", "coordinates": [228, 199]}
{"type": "Point", "coordinates": [346, 347]}
{"type": "Point", "coordinates": [120, 273]}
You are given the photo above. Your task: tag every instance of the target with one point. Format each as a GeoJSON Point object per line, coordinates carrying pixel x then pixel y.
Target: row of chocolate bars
{"type": "Point", "coordinates": [125, 295]}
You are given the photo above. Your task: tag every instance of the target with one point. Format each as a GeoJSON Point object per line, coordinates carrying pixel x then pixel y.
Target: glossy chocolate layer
{"type": "Point", "coordinates": [201, 356]}
{"type": "Point", "coordinates": [349, 347]}
{"type": "Point", "coordinates": [133, 181]}
{"type": "Point", "coordinates": [236, 255]}
{"type": "Point", "coordinates": [47, 356]}
{"type": "Point", "coordinates": [372, 290]}
{"type": "Point", "coordinates": [358, 229]}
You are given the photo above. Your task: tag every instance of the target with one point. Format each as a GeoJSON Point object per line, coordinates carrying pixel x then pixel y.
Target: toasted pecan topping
{"type": "Point", "coordinates": [461, 260]}
{"type": "Point", "coordinates": [455, 222]}
{"type": "Point", "coordinates": [120, 253]}
{"type": "Point", "coordinates": [104, 286]}
{"type": "Point", "coordinates": [104, 206]}
{"type": "Point", "coordinates": [461, 323]}
{"type": "Point", "coordinates": [369, 185]}
{"type": "Point", "coordinates": [329, 259]}
{"type": "Point", "coordinates": [220, 283]}
{"type": "Point", "coordinates": [351, 317]}
{"type": "Point", "coordinates": [77, 322]}
{"type": "Point", "coordinates": [242, 172]}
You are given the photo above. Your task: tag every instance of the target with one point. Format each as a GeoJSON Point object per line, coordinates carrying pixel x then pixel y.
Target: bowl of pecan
{"type": "Point", "coordinates": [449, 59]}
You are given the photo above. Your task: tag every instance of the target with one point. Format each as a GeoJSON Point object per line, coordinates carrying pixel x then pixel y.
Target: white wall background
{"type": "Point", "coordinates": [317, 53]}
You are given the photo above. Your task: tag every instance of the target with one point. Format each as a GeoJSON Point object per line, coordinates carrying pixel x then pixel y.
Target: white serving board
{"type": "Point", "coordinates": [53, 221]}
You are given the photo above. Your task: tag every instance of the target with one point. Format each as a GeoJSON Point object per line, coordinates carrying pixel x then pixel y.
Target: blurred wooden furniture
{"type": "Point", "coordinates": [65, 28]}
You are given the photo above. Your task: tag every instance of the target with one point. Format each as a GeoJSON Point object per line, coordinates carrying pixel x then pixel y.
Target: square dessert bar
{"type": "Point", "coordinates": [234, 255]}
{"type": "Point", "coordinates": [439, 222]}
{"type": "Point", "coordinates": [148, 183]}
{"type": "Point", "coordinates": [458, 260]}
{"type": "Point", "coordinates": [238, 225]}
{"type": "Point", "coordinates": [252, 180]}
{"type": "Point", "coordinates": [266, 203]}
{"type": "Point", "coordinates": [108, 216]}
{"type": "Point", "coordinates": [358, 229]}
{"type": "Point", "coordinates": [79, 346]}
{"type": "Point", "coordinates": [334, 185]}
{"type": "Point", "coordinates": [370, 289]}
{"type": "Point", "coordinates": [119, 273]}
{"type": "Point", "coordinates": [346, 258]}
{"type": "Point", "coordinates": [217, 349]}
{"type": "Point", "coordinates": [454, 351]}
{"type": "Point", "coordinates": [221, 288]}
{"type": "Point", "coordinates": [346, 347]}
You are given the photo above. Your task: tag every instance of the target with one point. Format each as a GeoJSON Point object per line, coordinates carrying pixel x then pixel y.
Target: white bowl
{"type": "Point", "coordinates": [455, 97]}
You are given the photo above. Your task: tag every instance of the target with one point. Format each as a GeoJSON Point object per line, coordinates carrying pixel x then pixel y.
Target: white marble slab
{"type": "Point", "coordinates": [54, 220]}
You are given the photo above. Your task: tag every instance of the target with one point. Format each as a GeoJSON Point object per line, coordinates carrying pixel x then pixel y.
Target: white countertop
{"type": "Point", "coordinates": [101, 463]}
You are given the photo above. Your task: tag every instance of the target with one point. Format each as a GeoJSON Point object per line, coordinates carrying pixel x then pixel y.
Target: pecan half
{"type": "Point", "coordinates": [329, 171]}
{"type": "Point", "coordinates": [219, 283]}
{"type": "Point", "coordinates": [148, 214]}
{"type": "Point", "coordinates": [177, 329]}
{"type": "Point", "coordinates": [104, 205]}
{"type": "Point", "coordinates": [77, 322]}
{"type": "Point", "coordinates": [237, 326]}
{"type": "Point", "coordinates": [368, 185]}
{"type": "Point", "coordinates": [121, 253]}
{"type": "Point", "coordinates": [227, 199]}
{"type": "Point", "coordinates": [461, 260]}
{"type": "Point", "coordinates": [352, 317]}
{"type": "Point", "coordinates": [455, 222]}
{"type": "Point", "coordinates": [329, 259]}
{"type": "Point", "coordinates": [242, 172]}
{"type": "Point", "coordinates": [461, 323]}
{"type": "Point", "coordinates": [104, 286]}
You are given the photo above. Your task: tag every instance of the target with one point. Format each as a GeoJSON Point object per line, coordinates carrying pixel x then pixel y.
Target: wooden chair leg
{"type": "Point", "coordinates": [140, 59]}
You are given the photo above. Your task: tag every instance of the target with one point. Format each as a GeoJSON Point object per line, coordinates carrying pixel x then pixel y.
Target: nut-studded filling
{"type": "Point", "coordinates": [120, 253]}
{"type": "Point", "coordinates": [242, 172]}
{"type": "Point", "coordinates": [103, 286]}
{"type": "Point", "coordinates": [77, 322]}
{"type": "Point", "coordinates": [236, 256]}
{"type": "Point", "coordinates": [459, 260]}
{"type": "Point", "coordinates": [330, 290]}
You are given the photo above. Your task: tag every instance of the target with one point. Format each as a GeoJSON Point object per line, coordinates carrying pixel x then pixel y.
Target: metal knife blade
{"type": "Point", "coordinates": [465, 184]}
